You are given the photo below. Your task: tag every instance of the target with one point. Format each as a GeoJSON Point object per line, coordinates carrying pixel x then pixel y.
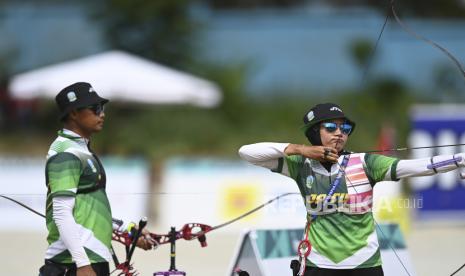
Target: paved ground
{"type": "Point", "coordinates": [435, 250]}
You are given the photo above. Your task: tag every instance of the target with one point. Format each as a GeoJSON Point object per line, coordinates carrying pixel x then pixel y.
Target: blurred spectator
{"type": "Point", "coordinates": [4, 103]}
{"type": "Point", "coordinates": [23, 112]}
{"type": "Point", "coordinates": [14, 112]}
{"type": "Point", "coordinates": [387, 137]}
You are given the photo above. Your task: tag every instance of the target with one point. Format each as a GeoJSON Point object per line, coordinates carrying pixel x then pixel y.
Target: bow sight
{"type": "Point", "coordinates": [189, 231]}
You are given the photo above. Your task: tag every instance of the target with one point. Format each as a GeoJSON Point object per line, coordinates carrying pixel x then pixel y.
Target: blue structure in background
{"type": "Point", "coordinates": [290, 49]}
{"type": "Point", "coordinates": [39, 34]}
{"type": "Point", "coordinates": [295, 49]}
{"type": "Point", "coordinates": [439, 125]}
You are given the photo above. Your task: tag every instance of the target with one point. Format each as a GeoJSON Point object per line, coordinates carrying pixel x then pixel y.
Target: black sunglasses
{"type": "Point", "coordinates": [97, 109]}
{"type": "Point", "coordinates": [332, 127]}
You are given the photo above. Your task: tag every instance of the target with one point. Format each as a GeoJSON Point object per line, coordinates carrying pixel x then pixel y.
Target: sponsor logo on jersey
{"type": "Point", "coordinates": [336, 198]}
{"type": "Point", "coordinates": [309, 182]}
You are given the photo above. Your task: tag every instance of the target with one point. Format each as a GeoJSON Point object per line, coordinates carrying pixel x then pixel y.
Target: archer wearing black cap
{"type": "Point", "coordinates": [337, 188]}
{"type": "Point", "coordinates": [327, 117]}
{"type": "Point", "coordinates": [79, 96]}
{"type": "Point", "coordinates": [78, 212]}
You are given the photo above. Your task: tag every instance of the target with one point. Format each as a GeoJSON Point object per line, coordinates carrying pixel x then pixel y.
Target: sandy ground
{"type": "Point", "coordinates": [434, 250]}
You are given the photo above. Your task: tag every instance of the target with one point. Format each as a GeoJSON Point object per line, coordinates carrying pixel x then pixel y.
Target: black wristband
{"type": "Point", "coordinates": [455, 161]}
{"type": "Point", "coordinates": [432, 164]}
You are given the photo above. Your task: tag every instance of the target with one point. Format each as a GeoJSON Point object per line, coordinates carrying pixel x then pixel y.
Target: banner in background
{"type": "Point", "coordinates": [442, 124]}
{"type": "Point", "coordinates": [213, 191]}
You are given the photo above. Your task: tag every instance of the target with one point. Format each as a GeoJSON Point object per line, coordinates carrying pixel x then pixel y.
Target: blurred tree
{"type": "Point", "coordinates": [231, 78]}
{"type": "Point", "coordinates": [383, 101]}
{"type": "Point", "coordinates": [8, 56]}
{"type": "Point", "coordinates": [363, 54]}
{"type": "Point", "coordinates": [360, 50]}
{"type": "Point", "coordinates": [163, 30]}
{"type": "Point", "coordinates": [431, 8]}
{"type": "Point", "coordinates": [448, 83]}
{"type": "Point", "coordinates": [160, 30]}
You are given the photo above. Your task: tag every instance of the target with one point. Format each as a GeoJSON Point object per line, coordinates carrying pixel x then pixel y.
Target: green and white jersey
{"type": "Point", "coordinates": [343, 236]}
{"type": "Point", "coordinates": [73, 171]}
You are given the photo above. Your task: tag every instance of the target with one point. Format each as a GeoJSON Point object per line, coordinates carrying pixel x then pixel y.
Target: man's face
{"type": "Point", "coordinates": [333, 135]}
{"type": "Point", "coordinates": [90, 119]}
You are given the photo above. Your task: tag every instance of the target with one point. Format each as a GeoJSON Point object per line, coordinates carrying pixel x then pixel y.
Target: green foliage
{"type": "Point", "coordinates": [433, 8]}
{"type": "Point", "coordinates": [162, 30]}
{"type": "Point", "coordinates": [430, 8]}
{"type": "Point", "coordinates": [361, 50]}
{"type": "Point", "coordinates": [385, 101]}
{"type": "Point", "coordinates": [421, 8]}
{"type": "Point", "coordinates": [247, 4]}
{"type": "Point", "coordinates": [160, 132]}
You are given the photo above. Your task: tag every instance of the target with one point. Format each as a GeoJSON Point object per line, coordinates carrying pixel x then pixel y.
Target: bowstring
{"type": "Point", "coordinates": [42, 215]}
{"type": "Point", "coordinates": [252, 211]}
{"type": "Point", "coordinates": [23, 205]}
{"type": "Point", "coordinates": [407, 148]}
{"type": "Point", "coordinates": [363, 80]}
{"type": "Point", "coordinates": [411, 32]}
{"type": "Point", "coordinates": [373, 51]}
{"type": "Point", "coordinates": [201, 232]}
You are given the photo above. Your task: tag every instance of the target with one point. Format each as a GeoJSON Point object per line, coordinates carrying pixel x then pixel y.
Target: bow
{"type": "Point", "coordinates": [342, 168]}
{"type": "Point", "coordinates": [449, 55]}
{"type": "Point", "coordinates": [129, 239]}
{"type": "Point", "coordinates": [411, 32]}
{"type": "Point", "coordinates": [190, 231]}
{"type": "Point", "coordinates": [429, 41]}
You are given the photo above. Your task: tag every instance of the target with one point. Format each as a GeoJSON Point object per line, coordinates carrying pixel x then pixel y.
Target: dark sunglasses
{"type": "Point", "coordinates": [97, 109]}
{"type": "Point", "coordinates": [332, 127]}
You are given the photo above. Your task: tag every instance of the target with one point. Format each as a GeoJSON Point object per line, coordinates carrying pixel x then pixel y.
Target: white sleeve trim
{"type": "Point", "coordinates": [69, 230]}
{"type": "Point", "coordinates": [263, 154]}
{"type": "Point", "coordinates": [418, 167]}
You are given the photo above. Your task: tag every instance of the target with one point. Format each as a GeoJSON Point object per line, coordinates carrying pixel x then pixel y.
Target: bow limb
{"type": "Point", "coordinates": [411, 32]}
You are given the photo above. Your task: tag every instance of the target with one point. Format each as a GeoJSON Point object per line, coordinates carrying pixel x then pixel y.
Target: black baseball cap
{"type": "Point", "coordinates": [77, 95]}
{"type": "Point", "coordinates": [323, 112]}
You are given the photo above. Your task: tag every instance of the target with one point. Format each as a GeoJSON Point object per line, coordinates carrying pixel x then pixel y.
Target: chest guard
{"type": "Point", "coordinates": [359, 189]}
{"type": "Point", "coordinates": [357, 198]}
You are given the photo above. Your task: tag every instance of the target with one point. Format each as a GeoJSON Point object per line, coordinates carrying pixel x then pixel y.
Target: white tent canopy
{"type": "Point", "coordinates": [118, 76]}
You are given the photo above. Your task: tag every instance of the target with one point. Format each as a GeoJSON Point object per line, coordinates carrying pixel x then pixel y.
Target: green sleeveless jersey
{"type": "Point", "coordinates": [343, 235]}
